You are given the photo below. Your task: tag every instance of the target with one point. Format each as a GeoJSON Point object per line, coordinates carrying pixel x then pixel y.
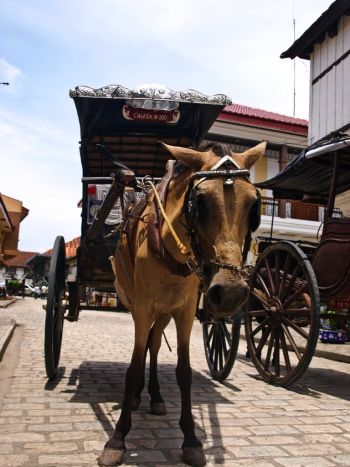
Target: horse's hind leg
{"type": "Point", "coordinates": [192, 448]}
{"type": "Point", "coordinates": [154, 342]}
{"type": "Point", "coordinates": [114, 449]}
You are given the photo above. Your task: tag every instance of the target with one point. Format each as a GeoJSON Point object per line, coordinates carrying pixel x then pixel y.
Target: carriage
{"type": "Point", "coordinates": [294, 286]}
{"type": "Point", "coordinates": [120, 131]}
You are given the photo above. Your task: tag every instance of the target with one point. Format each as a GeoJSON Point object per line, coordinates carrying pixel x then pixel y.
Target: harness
{"type": "Point", "coordinates": [227, 169]}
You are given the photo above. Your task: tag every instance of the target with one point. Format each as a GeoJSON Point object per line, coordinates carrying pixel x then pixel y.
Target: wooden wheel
{"type": "Point", "coordinates": [55, 307]}
{"type": "Point", "coordinates": [282, 314]}
{"type": "Point", "coordinates": [221, 338]}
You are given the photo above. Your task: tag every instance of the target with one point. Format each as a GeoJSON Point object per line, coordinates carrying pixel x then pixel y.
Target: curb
{"type": "Point", "coordinates": [6, 337]}
{"type": "Point", "coordinates": [337, 357]}
{"type": "Point", "coordinates": [6, 303]}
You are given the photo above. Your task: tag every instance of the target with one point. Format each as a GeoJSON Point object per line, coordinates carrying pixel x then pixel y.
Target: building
{"type": "Point", "coordinates": [40, 263]}
{"type": "Point", "coordinates": [13, 263]}
{"type": "Point", "coordinates": [242, 127]}
{"type": "Point", "coordinates": [326, 43]}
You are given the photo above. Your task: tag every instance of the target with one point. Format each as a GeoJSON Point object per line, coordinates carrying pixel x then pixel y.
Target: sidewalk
{"type": "Point", "coordinates": [7, 326]}
{"type": "Point", "coordinates": [6, 332]}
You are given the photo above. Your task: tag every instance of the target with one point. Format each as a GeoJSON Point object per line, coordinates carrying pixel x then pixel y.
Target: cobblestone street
{"type": "Point", "coordinates": [241, 422]}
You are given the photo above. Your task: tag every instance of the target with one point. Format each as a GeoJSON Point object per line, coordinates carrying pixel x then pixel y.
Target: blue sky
{"type": "Point", "coordinates": [47, 47]}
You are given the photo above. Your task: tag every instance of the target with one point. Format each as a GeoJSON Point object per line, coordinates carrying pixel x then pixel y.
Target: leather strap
{"type": "Point", "coordinates": [155, 224]}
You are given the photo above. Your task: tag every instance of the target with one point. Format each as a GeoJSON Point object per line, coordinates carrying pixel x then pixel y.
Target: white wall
{"type": "Point", "coordinates": [330, 95]}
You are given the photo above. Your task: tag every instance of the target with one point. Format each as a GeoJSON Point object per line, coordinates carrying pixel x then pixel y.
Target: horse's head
{"type": "Point", "coordinates": [221, 208]}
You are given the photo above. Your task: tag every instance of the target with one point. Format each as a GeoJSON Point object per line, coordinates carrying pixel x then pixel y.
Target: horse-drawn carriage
{"type": "Point", "coordinates": [120, 134]}
{"type": "Point", "coordinates": [182, 243]}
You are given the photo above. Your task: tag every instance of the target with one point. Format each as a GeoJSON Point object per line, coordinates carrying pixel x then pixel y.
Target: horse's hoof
{"type": "Point", "coordinates": [194, 456]}
{"type": "Point", "coordinates": [111, 457]}
{"type": "Point", "coordinates": [158, 408]}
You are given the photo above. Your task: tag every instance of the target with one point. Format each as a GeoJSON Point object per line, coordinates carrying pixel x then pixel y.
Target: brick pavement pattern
{"type": "Point", "coordinates": [241, 422]}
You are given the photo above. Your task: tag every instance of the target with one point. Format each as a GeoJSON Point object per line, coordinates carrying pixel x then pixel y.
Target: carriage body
{"type": "Point", "coordinates": [120, 130]}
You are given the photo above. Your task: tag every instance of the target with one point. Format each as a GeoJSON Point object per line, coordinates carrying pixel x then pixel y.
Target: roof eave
{"type": "Point", "coordinates": [303, 46]}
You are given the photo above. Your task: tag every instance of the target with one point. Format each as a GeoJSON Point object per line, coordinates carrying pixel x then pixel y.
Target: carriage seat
{"type": "Point", "coordinates": [331, 261]}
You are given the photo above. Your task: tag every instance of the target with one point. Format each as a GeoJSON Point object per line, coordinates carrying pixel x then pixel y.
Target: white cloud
{"type": "Point", "coordinates": [11, 74]}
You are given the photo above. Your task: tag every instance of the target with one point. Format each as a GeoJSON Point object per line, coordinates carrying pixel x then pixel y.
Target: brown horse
{"type": "Point", "coordinates": [208, 200]}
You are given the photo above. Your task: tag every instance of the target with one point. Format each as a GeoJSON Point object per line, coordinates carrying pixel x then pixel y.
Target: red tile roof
{"type": "Point", "coordinates": [251, 116]}
{"type": "Point", "coordinates": [20, 259]}
{"type": "Point", "coordinates": [71, 248]}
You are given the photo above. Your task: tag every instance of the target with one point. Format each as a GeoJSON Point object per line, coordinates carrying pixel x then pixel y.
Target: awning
{"type": "Point", "coordinates": [310, 173]}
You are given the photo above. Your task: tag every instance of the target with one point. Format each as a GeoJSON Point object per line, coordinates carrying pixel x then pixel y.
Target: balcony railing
{"type": "Point", "coordinates": [290, 209]}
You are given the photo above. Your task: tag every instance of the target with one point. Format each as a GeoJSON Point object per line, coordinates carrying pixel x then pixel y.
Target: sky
{"type": "Point", "coordinates": [48, 47]}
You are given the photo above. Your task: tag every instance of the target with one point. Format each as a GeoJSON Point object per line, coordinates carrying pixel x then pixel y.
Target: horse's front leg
{"type": "Point", "coordinates": [114, 449]}
{"type": "Point", "coordinates": [192, 448]}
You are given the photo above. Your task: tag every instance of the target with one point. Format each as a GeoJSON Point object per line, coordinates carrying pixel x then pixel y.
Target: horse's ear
{"type": "Point", "coordinates": [187, 156]}
{"type": "Point", "coordinates": [249, 157]}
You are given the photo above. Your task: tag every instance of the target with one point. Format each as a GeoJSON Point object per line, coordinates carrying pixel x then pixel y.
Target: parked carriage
{"type": "Point", "coordinates": [120, 134]}
{"type": "Point", "coordinates": [120, 131]}
{"type": "Point", "coordinates": [294, 284]}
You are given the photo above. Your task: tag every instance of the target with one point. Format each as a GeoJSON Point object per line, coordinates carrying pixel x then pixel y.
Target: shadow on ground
{"type": "Point", "coordinates": [101, 385]}
{"type": "Point", "coordinates": [314, 381]}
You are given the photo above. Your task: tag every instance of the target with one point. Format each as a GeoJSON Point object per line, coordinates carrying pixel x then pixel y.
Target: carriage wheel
{"type": "Point", "coordinates": [282, 314]}
{"type": "Point", "coordinates": [221, 338]}
{"type": "Point", "coordinates": [55, 307]}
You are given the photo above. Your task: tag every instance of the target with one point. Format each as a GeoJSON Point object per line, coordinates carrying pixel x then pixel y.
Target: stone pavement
{"type": "Point", "coordinates": [241, 422]}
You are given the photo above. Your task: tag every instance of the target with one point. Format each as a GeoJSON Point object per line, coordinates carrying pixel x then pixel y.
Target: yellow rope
{"type": "Point", "coordinates": [179, 243]}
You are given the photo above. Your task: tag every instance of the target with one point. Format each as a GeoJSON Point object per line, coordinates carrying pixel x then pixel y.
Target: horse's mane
{"type": "Point", "coordinates": [218, 148]}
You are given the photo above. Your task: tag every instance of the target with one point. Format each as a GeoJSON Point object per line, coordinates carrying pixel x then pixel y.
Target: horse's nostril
{"type": "Point", "coordinates": [215, 295]}
{"type": "Point", "coordinates": [224, 298]}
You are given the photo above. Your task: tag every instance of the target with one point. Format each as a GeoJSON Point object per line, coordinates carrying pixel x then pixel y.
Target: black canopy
{"type": "Point", "coordinates": [310, 173]}
{"type": "Point", "coordinates": [131, 124]}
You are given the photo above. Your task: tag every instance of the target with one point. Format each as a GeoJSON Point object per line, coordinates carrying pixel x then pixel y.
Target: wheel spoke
{"type": "Point", "coordinates": [269, 277]}
{"type": "Point", "coordinates": [257, 294]}
{"type": "Point", "coordinates": [260, 326]}
{"type": "Point", "coordinates": [296, 328]}
{"type": "Point", "coordinates": [285, 352]}
{"type": "Point", "coordinates": [263, 285]}
{"type": "Point", "coordinates": [291, 282]}
{"type": "Point", "coordinates": [285, 275]}
{"type": "Point", "coordinates": [295, 295]}
{"type": "Point", "coordinates": [257, 313]}
{"type": "Point", "coordinates": [269, 349]}
{"type": "Point", "coordinates": [210, 335]}
{"type": "Point", "coordinates": [296, 311]}
{"type": "Point", "coordinates": [292, 341]}
{"type": "Point", "coordinates": [265, 334]}
{"type": "Point", "coordinates": [226, 335]}
{"type": "Point", "coordinates": [277, 271]}
{"type": "Point", "coordinates": [276, 353]}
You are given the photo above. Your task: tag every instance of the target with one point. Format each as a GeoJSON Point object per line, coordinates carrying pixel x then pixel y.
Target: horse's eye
{"type": "Point", "coordinates": [201, 201]}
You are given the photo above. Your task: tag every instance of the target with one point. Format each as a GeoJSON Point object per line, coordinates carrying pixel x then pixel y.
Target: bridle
{"type": "Point", "coordinates": [229, 170]}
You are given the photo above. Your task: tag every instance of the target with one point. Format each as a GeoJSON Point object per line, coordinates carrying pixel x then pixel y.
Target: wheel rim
{"type": "Point", "coordinates": [221, 338]}
{"type": "Point", "coordinates": [282, 314]}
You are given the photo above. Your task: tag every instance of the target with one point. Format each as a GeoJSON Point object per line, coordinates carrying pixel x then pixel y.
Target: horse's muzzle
{"type": "Point", "coordinates": [227, 296]}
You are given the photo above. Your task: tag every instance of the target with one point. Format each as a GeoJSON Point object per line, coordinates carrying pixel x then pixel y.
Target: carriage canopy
{"type": "Point", "coordinates": [310, 173]}
{"type": "Point", "coordinates": [130, 124]}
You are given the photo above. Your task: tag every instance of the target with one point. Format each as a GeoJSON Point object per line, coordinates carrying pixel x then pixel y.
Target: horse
{"type": "Point", "coordinates": [210, 208]}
